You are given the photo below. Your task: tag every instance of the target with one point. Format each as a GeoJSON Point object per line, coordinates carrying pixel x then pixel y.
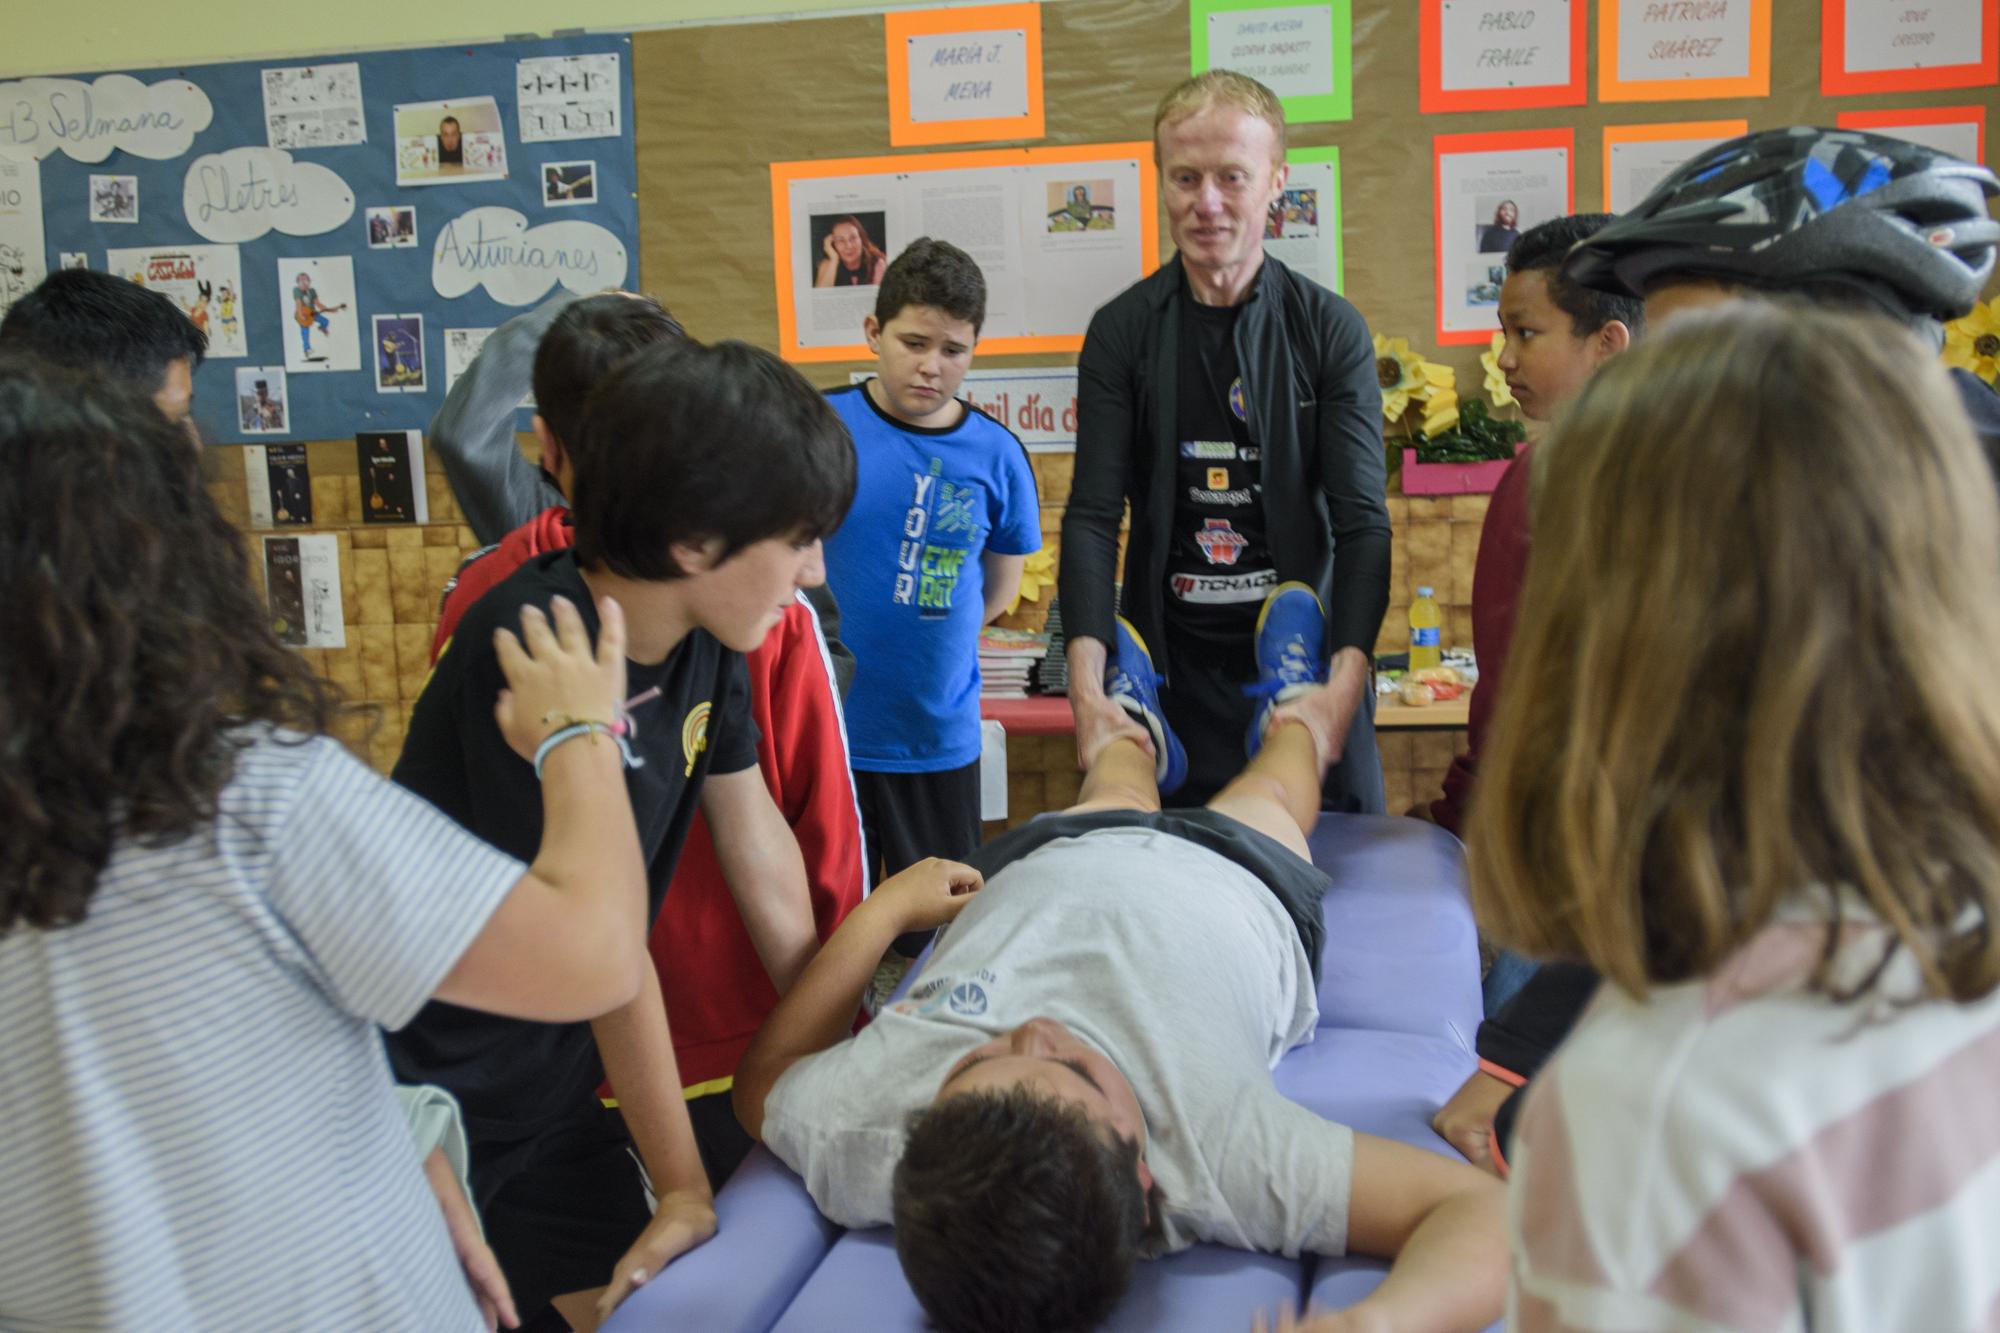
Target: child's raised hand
{"type": "Point", "coordinates": [554, 677]}
{"type": "Point", "coordinates": [931, 892]}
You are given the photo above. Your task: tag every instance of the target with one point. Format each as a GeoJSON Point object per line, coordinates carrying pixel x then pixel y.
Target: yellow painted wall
{"type": "Point", "coordinates": [142, 34]}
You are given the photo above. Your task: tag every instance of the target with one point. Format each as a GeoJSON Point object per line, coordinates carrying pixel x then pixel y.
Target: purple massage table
{"type": "Point", "coordinates": [1399, 1006]}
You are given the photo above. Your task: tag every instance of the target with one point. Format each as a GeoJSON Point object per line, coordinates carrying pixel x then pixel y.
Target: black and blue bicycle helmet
{"type": "Point", "coordinates": [1810, 209]}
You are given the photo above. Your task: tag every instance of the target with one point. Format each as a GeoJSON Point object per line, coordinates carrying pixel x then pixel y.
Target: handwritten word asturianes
{"type": "Point", "coordinates": [510, 252]}
{"type": "Point", "coordinates": [74, 119]}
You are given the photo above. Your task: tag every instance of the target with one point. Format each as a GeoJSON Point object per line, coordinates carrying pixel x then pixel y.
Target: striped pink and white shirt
{"type": "Point", "coordinates": [1744, 1155]}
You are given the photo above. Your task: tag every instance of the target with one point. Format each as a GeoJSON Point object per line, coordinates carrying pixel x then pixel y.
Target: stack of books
{"type": "Point", "coordinates": [1007, 660]}
{"type": "Point", "coordinates": [1053, 675]}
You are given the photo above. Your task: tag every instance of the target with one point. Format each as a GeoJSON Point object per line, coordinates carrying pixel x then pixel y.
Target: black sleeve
{"type": "Point", "coordinates": [1353, 477]}
{"type": "Point", "coordinates": [732, 730]}
{"type": "Point", "coordinates": [1526, 1030]}
{"type": "Point", "coordinates": [454, 755]}
{"type": "Point", "coordinates": [1108, 415]}
{"type": "Point", "coordinates": [828, 610]}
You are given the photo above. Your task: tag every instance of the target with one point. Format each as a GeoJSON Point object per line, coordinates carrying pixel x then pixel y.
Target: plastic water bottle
{"type": "Point", "coordinates": [1424, 622]}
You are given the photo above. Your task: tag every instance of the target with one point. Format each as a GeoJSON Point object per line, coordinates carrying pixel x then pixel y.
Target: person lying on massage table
{"type": "Point", "coordinates": [1081, 1075]}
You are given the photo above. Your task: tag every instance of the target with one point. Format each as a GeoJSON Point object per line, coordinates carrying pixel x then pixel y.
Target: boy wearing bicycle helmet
{"type": "Point", "coordinates": [1836, 218]}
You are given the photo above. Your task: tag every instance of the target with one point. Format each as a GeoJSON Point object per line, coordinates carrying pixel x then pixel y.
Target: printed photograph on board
{"type": "Point", "coordinates": [1081, 206]}
{"type": "Point", "coordinates": [1294, 213]}
{"type": "Point", "coordinates": [399, 353]}
{"type": "Point", "coordinates": [114, 198]}
{"type": "Point", "coordinates": [566, 184]}
{"type": "Point", "coordinates": [449, 143]}
{"type": "Point", "coordinates": [847, 249]}
{"type": "Point", "coordinates": [260, 400]}
{"type": "Point", "coordinates": [317, 297]}
{"type": "Point", "coordinates": [393, 228]}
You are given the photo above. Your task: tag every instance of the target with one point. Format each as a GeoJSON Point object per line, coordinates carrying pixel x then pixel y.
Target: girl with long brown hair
{"type": "Point", "coordinates": [1747, 765]}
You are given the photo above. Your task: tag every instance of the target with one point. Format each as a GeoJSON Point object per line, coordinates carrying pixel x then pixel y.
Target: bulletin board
{"type": "Point", "coordinates": [718, 104]}
{"type": "Point", "coordinates": [546, 220]}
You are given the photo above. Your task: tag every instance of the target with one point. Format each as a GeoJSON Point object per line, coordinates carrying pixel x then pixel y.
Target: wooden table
{"type": "Point", "coordinates": [1049, 715]}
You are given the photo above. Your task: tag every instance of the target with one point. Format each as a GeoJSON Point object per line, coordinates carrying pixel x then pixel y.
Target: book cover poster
{"type": "Point", "coordinates": [391, 464]}
{"type": "Point", "coordinates": [284, 590]}
{"type": "Point", "coordinates": [290, 485]}
{"type": "Point", "coordinates": [399, 353]}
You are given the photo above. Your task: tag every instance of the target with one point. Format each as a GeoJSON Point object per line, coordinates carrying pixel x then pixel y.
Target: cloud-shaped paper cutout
{"type": "Point", "coordinates": [516, 263]}
{"type": "Point", "coordinates": [241, 194]}
{"type": "Point", "coordinates": [88, 120]}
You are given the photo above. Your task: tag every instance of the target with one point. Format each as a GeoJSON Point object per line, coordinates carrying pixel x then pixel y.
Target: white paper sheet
{"type": "Point", "coordinates": [1303, 230]}
{"type": "Point", "coordinates": [1638, 166]}
{"type": "Point", "coordinates": [23, 246]}
{"type": "Point", "coordinates": [90, 121]}
{"type": "Point", "coordinates": [242, 194]}
{"type": "Point", "coordinates": [1960, 138]}
{"type": "Point", "coordinates": [1682, 39]}
{"type": "Point", "coordinates": [968, 75]}
{"type": "Point", "coordinates": [1055, 241]}
{"type": "Point", "coordinates": [314, 106]}
{"type": "Point", "coordinates": [302, 588]}
{"type": "Point", "coordinates": [1883, 36]}
{"type": "Point", "coordinates": [205, 281]}
{"type": "Point", "coordinates": [1038, 405]}
{"type": "Point", "coordinates": [1289, 50]}
{"type": "Point", "coordinates": [316, 301]}
{"type": "Point", "coordinates": [517, 264]}
{"type": "Point", "coordinates": [1486, 44]}
{"type": "Point", "coordinates": [1487, 200]}
{"type": "Point", "coordinates": [567, 97]}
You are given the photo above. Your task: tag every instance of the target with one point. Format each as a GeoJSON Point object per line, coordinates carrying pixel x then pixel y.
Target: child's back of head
{"type": "Point", "coordinates": [96, 322]}
{"type": "Point", "coordinates": [134, 638]}
{"type": "Point", "coordinates": [581, 346]}
{"type": "Point", "coordinates": [1749, 659]}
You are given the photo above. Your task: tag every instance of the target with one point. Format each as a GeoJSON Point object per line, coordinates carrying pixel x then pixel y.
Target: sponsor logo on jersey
{"type": "Point", "coordinates": [1222, 449]}
{"type": "Point", "coordinates": [694, 735]}
{"type": "Point", "coordinates": [1220, 542]}
{"type": "Point", "coordinates": [1238, 497]}
{"type": "Point", "coordinates": [1218, 478]}
{"type": "Point", "coordinates": [1236, 398]}
{"type": "Point", "coordinates": [1251, 453]}
{"type": "Point", "coordinates": [1222, 589]}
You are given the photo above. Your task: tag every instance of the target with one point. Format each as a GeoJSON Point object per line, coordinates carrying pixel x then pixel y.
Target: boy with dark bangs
{"type": "Point", "coordinates": [706, 549]}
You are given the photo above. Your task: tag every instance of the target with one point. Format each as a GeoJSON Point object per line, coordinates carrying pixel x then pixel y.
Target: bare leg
{"type": "Point", "coordinates": [1120, 778]}
{"type": "Point", "coordinates": [1278, 792]}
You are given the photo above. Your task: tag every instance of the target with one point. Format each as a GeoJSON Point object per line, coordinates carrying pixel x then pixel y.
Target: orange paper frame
{"type": "Point", "coordinates": [1916, 115]}
{"type": "Point", "coordinates": [1836, 80]}
{"type": "Point", "coordinates": [1432, 96]}
{"type": "Point", "coordinates": [899, 26]}
{"type": "Point", "coordinates": [783, 173]}
{"type": "Point", "coordinates": [1452, 145]}
{"type": "Point", "coordinates": [1681, 129]}
{"type": "Point", "coordinates": [1610, 88]}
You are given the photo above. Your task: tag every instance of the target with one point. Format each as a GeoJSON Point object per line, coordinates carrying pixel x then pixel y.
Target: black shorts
{"type": "Point", "coordinates": [1297, 884]}
{"type": "Point", "coordinates": [1207, 708]}
{"type": "Point", "coordinates": [906, 817]}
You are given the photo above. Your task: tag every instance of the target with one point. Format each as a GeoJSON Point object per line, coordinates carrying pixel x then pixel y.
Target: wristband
{"type": "Point", "coordinates": [590, 729]}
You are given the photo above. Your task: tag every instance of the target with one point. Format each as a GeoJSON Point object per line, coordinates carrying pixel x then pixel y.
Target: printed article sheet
{"type": "Point", "coordinates": [1057, 232]}
{"type": "Point", "coordinates": [1491, 188]}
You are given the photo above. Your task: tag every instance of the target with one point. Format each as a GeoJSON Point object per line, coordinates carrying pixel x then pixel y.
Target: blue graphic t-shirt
{"type": "Point", "coordinates": [905, 567]}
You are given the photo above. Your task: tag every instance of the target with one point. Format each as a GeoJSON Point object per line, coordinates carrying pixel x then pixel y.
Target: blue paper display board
{"type": "Point", "coordinates": [491, 253]}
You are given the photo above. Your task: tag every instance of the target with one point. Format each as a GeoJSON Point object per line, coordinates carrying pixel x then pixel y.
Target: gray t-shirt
{"type": "Point", "coordinates": [1176, 964]}
{"type": "Point", "coordinates": [200, 1130]}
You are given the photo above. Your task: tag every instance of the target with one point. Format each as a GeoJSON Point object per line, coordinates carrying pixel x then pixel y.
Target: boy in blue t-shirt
{"type": "Point", "coordinates": [945, 513]}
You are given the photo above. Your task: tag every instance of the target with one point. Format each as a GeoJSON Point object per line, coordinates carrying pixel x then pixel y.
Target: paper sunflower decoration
{"type": "Point", "coordinates": [1973, 343]}
{"type": "Point", "coordinates": [1401, 374]}
{"type": "Point", "coordinates": [1037, 572]}
{"type": "Point", "coordinates": [1497, 391]}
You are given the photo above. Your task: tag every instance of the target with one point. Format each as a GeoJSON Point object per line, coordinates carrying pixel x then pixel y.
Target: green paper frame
{"type": "Point", "coordinates": [1336, 105]}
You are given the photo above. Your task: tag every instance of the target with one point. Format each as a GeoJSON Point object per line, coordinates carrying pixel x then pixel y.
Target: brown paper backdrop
{"type": "Point", "coordinates": [716, 105]}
